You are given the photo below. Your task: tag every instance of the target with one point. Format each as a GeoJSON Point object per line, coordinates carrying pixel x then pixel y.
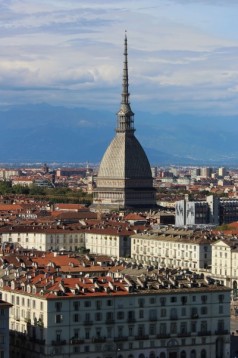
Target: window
{"type": "Point", "coordinates": [204, 326]}
{"type": "Point", "coordinates": [98, 305]}
{"type": "Point", "coordinates": [58, 306]}
{"type": "Point", "coordinates": [220, 325]}
{"type": "Point", "coordinates": [162, 301]}
{"type": "Point", "coordinates": [120, 315]}
{"type": "Point", "coordinates": [87, 317]}
{"type": "Point", "coordinates": [141, 302]}
{"type": "Point", "coordinates": [163, 312]}
{"type": "Point", "coordinates": [173, 313]}
{"type": "Point", "coordinates": [194, 313]}
{"type": "Point", "coordinates": [109, 316]}
{"type": "Point", "coordinates": [87, 304]}
{"type": "Point", "coordinates": [204, 310]}
{"type": "Point", "coordinates": [76, 317]}
{"type": "Point", "coordinates": [220, 298]}
{"type": "Point", "coordinates": [184, 300]}
{"type": "Point", "coordinates": [153, 315]}
{"type": "Point", "coordinates": [58, 318]}
{"type": "Point", "coordinates": [131, 315]}
{"type": "Point", "coordinates": [183, 311]}
{"type": "Point", "coordinates": [183, 328]}
{"type": "Point", "coordinates": [98, 316]}
{"type": "Point", "coordinates": [76, 306]}
{"type": "Point", "coordinates": [141, 330]}
{"type": "Point", "coordinates": [131, 329]}
{"type": "Point", "coordinates": [173, 299]}
{"type": "Point", "coordinates": [152, 300]}
{"type": "Point", "coordinates": [162, 328]}
{"type": "Point", "coordinates": [173, 327]}
{"type": "Point", "coordinates": [221, 309]}
{"type": "Point", "coordinates": [204, 298]}
{"type": "Point", "coordinates": [58, 336]}
{"type": "Point", "coordinates": [152, 329]}
{"type": "Point", "coordinates": [141, 314]}
{"type": "Point", "coordinates": [109, 302]}
{"type": "Point", "coordinates": [194, 326]}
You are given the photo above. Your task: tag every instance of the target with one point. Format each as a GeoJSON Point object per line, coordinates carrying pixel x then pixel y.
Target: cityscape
{"type": "Point", "coordinates": [118, 231]}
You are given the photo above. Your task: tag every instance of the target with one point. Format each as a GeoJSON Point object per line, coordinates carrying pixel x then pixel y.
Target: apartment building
{"type": "Point", "coordinates": [43, 238]}
{"type": "Point", "coordinates": [4, 328]}
{"type": "Point", "coordinates": [225, 263]}
{"type": "Point", "coordinates": [109, 241]}
{"type": "Point", "coordinates": [173, 248]}
{"type": "Point", "coordinates": [165, 314]}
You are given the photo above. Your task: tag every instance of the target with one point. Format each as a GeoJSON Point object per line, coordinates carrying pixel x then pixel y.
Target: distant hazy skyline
{"type": "Point", "coordinates": [183, 54]}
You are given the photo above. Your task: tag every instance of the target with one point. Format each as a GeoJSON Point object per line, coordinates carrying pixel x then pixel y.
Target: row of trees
{"type": "Point", "coordinates": [57, 194]}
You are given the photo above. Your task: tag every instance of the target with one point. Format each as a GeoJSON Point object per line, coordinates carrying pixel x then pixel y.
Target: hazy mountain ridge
{"type": "Point", "coordinates": [47, 133]}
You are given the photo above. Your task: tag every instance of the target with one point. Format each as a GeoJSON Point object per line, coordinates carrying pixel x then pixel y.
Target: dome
{"type": "Point", "coordinates": [125, 159]}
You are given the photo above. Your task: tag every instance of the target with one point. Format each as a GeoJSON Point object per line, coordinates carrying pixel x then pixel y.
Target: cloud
{"type": "Point", "coordinates": [72, 53]}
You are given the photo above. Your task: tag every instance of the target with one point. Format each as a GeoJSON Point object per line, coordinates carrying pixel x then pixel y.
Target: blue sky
{"type": "Point", "coordinates": [183, 54]}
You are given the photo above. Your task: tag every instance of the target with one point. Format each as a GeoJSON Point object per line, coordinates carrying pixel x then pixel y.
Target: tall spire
{"type": "Point", "coordinates": [125, 116]}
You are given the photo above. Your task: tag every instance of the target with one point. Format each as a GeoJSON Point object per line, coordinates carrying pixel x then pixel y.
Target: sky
{"type": "Point", "coordinates": [182, 54]}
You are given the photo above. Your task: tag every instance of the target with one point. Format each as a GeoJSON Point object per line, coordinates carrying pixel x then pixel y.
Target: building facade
{"type": "Point", "coordinates": [165, 315]}
{"type": "Point", "coordinates": [4, 328]}
{"type": "Point", "coordinates": [42, 238]}
{"type": "Point", "coordinates": [172, 249]}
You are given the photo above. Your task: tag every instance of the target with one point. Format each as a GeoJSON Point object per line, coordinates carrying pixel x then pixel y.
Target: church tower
{"type": "Point", "coordinates": [124, 178]}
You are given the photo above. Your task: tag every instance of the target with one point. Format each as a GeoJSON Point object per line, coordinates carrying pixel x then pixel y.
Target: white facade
{"type": "Point", "coordinates": [172, 251]}
{"type": "Point", "coordinates": [225, 264]}
{"type": "Point", "coordinates": [111, 243]}
{"type": "Point", "coordinates": [162, 322]}
{"type": "Point", "coordinates": [43, 239]}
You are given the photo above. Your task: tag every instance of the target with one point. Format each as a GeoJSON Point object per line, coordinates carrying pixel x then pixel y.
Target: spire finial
{"type": "Point", "coordinates": [125, 115]}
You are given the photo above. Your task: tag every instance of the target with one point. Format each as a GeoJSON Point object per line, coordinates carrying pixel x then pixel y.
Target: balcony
{"type": "Point", "coordinates": [142, 337]}
{"type": "Point", "coordinates": [131, 319]}
{"type": "Point", "coordinates": [184, 334]}
{"type": "Point", "coordinates": [88, 323]}
{"type": "Point", "coordinates": [121, 339]}
{"type": "Point", "coordinates": [173, 318]}
{"type": "Point", "coordinates": [58, 342]}
{"type": "Point", "coordinates": [222, 332]}
{"type": "Point", "coordinates": [37, 340]}
{"type": "Point", "coordinates": [99, 340]}
{"type": "Point", "coordinates": [153, 319]}
{"type": "Point", "coordinates": [163, 335]}
{"type": "Point", "coordinates": [76, 341]}
{"type": "Point", "coordinates": [110, 321]}
{"type": "Point", "coordinates": [204, 333]}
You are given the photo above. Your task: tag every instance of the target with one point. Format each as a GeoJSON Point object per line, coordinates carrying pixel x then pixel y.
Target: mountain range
{"type": "Point", "coordinates": [46, 133]}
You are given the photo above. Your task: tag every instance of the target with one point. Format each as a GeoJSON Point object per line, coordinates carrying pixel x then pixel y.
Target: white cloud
{"type": "Point", "coordinates": [72, 52]}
